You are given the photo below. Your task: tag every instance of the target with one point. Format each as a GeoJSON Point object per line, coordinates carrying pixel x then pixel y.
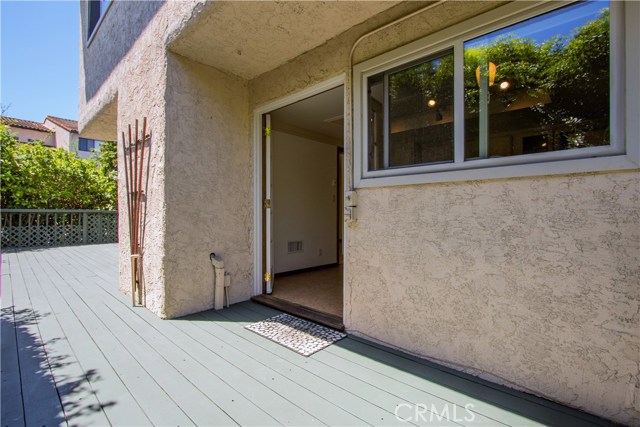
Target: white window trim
{"type": "Point", "coordinates": [99, 23]}
{"type": "Point", "coordinates": [623, 153]}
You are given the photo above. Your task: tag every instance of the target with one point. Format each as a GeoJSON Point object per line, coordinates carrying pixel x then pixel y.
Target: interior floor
{"type": "Point", "coordinates": [320, 290]}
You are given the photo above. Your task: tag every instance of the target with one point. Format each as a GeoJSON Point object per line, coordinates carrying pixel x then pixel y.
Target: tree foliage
{"type": "Point", "coordinates": [33, 176]}
{"type": "Point", "coordinates": [564, 80]}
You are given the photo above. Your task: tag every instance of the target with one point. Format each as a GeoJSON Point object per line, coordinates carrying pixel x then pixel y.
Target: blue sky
{"type": "Point", "coordinates": [39, 58]}
{"type": "Point", "coordinates": [541, 28]}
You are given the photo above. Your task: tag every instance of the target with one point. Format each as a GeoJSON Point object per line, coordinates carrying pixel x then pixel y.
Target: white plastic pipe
{"type": "Point", "coordinates": [219, 281]}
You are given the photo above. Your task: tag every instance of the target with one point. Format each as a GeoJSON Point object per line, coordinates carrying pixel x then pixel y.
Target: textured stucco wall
{"type": "Point", "coordinates": [62, 137]}
{"type": "Point", "coordinates": [134, 87]}
{"type": "Point", "coordinates": [140, 93]}
{"type": "Point", "coordinates": [209, 191]}
{"type": "Point", "coordinates": [530, 282]}
{"type": "Point", "coordinates": [24, 135]}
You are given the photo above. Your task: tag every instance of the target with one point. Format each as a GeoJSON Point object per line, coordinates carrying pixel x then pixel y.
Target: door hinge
{"type": "Point", "coordinates": [267, 203]}
{"type": "Point", "coordinates": [267, 276]}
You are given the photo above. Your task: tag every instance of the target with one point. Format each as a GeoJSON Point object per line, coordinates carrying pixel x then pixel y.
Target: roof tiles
{"type": "Point", "coordinates": [25, 124]}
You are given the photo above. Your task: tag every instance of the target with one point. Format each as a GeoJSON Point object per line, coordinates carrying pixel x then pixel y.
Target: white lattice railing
{"type": "Point", "coordinates": [27, 228]}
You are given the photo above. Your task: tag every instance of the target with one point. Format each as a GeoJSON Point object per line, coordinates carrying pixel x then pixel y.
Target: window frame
{"type": "Point", "coordinates": [621, 154]}
{"type": "Point", "coordinates": [90, 143]}
{"type": "Point", "coordinates": [92, 32]}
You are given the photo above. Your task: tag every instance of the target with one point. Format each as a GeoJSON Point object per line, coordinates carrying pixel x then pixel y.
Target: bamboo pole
{"type": "Point", "coordinates": [139, 205]}
{"type": "Point", "coordinates": [134, 168]}
{"type": "Point", "coordinates": [127, 174]}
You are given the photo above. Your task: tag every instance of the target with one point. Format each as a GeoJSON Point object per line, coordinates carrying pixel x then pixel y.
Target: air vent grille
{"type": "Point", "coordinates": [295, 246]}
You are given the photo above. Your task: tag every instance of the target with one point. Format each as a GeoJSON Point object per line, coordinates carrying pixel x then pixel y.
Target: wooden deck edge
{"type": "Point", "coordinates": [308, 313]}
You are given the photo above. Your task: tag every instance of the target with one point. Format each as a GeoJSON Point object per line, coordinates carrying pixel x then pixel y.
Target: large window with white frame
{"type": "Point", "coordinates": [541, 85]}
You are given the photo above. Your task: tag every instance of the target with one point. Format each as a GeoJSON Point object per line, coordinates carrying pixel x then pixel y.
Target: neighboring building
{"type": "Point", "coordinates": [28, 131]}
{"type": "Point", "coordinates": [491, 217]}
{"type": "Point", "coordinates": [54, 132]}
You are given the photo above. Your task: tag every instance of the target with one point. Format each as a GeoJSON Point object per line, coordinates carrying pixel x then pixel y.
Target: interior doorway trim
{"type": "Point", "coordinates": [324, 86]}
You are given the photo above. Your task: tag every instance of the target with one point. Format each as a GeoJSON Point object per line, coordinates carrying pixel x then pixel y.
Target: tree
{"type": "Point", "coordinates": [34, 176]}
{"type": "Point", "coordinates": [107, 158]}
{"type": "Point", "coordinates": [559, 86]}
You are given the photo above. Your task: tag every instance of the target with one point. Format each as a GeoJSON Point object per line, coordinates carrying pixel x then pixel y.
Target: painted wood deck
{"type": "Point", "coordinates": [75, 353]}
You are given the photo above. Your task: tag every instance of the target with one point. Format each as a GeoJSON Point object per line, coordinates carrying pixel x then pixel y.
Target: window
{"type": "Point", "coordinates": [537, 88]}
{"type": "Point", "coordinates": [407, 110]}
{"type": "Point", "coordinates": [96, 10]}
{"type": "Point", "coordinates": [86, 144]}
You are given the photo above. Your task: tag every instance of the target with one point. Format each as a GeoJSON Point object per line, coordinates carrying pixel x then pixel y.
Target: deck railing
{"type": "Point", "coordinates": [28, 228]}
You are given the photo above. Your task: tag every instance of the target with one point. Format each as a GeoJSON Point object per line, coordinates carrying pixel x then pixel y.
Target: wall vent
{"type": "Point", "coordinates": [293, 247]}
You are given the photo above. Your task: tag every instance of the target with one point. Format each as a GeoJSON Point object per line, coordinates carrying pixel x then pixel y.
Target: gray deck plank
{"type": "Point", "coordinates": [240, 407]}
{"type": "Point", "coordinates": [80, 404]}
{"type": "Point", "coordinates": [493, 399]}
{"type": "Point", "coordinates": [266, 389]}
{"type": "Point", "coordinates": [506, 406]}
{"type": "Point", "coordinates": [188, 399]}
{"type": "Point", "coordinates": [229, 397]}
{"type": "Point", "coordinates": [493, 403]}
{"type": "Point", "coordinates": [350, 396]}
{"type": "Point", "coordinates": [509, 406]}
{"type": "Point", "coordinates": [369, 402]}
{"type": "Point", "coordinates": [206, 368]}
{"type": "Point", "coordinates": [41, 401]}
{"type": "Point", "coordinates": [177, 335]}
{"type": "Point", "coordinates": [209, 373]}
{"type": "Point", "coordinates": [320, 410]}
{"type": "Point", "coordinates": [377, 388]}
{"type": "Point", "coordinates": [156, 403]}
{"type": "Point", "coordinates": [11, 406]}
{"type": "Point", "coordinates": [114, 397]}
{"type": "Point", "coordinates": [264, 385]}
{"type": "Point", "coordinates": [504, 415]}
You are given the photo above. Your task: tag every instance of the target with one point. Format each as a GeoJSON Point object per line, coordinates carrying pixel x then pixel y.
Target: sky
{"type": "Point", "coordinates": [39, 59]}
{"type": "Point", "coordinates": [541, 28]}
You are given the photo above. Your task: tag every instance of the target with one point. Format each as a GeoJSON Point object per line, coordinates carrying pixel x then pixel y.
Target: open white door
{"type": "Point", "coordinates": [268, 274]}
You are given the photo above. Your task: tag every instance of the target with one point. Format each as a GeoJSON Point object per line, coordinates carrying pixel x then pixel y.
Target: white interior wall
{"type": "Point", "coordinates": [304, 196]}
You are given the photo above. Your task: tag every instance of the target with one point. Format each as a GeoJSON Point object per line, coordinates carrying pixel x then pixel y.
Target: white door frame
{"type": "Point", "coordinates": [257, 163]}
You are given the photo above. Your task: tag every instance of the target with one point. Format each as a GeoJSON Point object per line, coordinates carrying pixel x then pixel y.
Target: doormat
{"type": "Point", "coordinates": [302, 336]}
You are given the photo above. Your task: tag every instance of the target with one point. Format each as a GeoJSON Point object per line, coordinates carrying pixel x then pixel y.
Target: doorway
{"type": "Point", "coordinates": [302, 189]}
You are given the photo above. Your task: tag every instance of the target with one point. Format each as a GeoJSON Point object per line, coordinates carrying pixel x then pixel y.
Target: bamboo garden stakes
{"type": "Point", "coordinates": [134, 161]}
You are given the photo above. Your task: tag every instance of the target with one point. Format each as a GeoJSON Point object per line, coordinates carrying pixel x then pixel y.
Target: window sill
{"type": "Point", "coordinates": [563, 167]}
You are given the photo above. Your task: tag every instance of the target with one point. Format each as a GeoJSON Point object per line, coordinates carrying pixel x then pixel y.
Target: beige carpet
{"type": "Point", "coordinates": [320, 290]}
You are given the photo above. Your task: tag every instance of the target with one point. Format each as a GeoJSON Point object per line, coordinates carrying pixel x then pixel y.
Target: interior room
{"type": "Point", "coordinates": [307, 193]}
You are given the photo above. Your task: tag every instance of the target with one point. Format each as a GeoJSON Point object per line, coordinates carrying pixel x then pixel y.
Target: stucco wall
{"type": "Point", "coordinates": [62, 137]}
{"type": "Point", "coordinates": [530, 282]}
{"type": "Point", "coordinates": [123, 78]}
{"type": "Point", "coordinates": [135, 101]}
{"type": "Point", "coordinates": [134, 87]}
{"type": "Point", "coordinates": [533, 281]}
{"type": "Point", "coordinates": [209, 192]}
{"type": "Point", "coordinates": [24, 135]}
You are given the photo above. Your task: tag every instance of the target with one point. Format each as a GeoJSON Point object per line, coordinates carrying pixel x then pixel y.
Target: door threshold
{"type": "Point", "coordinates": [308, 313]}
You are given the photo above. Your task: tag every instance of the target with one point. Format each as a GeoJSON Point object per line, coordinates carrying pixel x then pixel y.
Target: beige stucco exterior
{"type": "Point", "coordinates": [530, 282]}
{"type": "Point", "coordinates": [28, 135]}
{"type": "Point", "coordinates": [63, 138]}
